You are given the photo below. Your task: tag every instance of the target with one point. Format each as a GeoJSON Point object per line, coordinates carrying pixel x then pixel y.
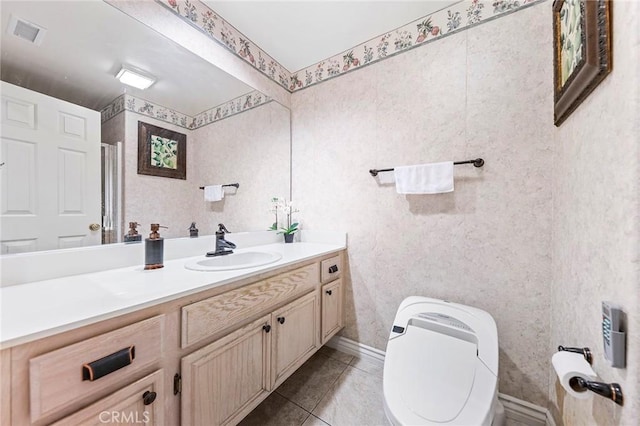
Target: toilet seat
{"type": "Point", "coordinates": [441, 365]}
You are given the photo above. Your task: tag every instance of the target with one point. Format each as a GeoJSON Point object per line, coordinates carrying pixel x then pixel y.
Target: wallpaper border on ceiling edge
{"type": "Point", "coordinates": [126, 102]}
{"type": "Point", "coordinates": [427, 30]}
{"type": "Point", "coordinates": [207, 21]}
{"type": "Point", "coordinates": [424, 30]}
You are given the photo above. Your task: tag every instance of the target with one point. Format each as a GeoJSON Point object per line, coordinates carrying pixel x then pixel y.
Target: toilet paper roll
{"type": "Point", "coordinates": [569, 365]}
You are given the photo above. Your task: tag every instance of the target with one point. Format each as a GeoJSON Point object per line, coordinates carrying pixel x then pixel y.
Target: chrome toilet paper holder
{"type": "Point", "coordinates": [612, 391]}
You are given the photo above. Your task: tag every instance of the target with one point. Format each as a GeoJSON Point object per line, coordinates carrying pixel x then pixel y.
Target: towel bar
{"type": "Point", "coordinates": [236, 185]}
{"type": "Point", "coordinates": [478, 162]}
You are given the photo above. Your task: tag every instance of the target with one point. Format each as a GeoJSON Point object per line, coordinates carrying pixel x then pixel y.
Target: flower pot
{"type": "Point", "coordinates": [288, 238]}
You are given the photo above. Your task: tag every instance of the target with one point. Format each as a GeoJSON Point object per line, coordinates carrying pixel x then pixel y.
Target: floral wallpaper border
{"type": "Point", "coordinates": [235, 106]}
{"type": "Point", "coordinates": [458, 17]}
{"type": "Point", "coordinates": [201, 17]}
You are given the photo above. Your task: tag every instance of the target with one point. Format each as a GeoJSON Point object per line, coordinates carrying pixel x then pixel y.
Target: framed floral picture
{"type": "Point", "coordinates": [582, 51]}
{"type": "Point", "coordinates": [161, 152]}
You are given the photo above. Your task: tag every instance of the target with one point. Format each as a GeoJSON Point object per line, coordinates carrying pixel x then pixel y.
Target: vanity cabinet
{"type": "Point", "coordinates": [296, 336]}
{"type": "Point", "coordinates": [5, 387]}
{"type": "Point", "coordinates": [65, 377]}
{"type": "Point", "coordinates": [206, 358]}
{"type": "Point", "coordinates": [332, 297]}
{"type": "Point", "coordinates": [141, 402]}
{"type": "Point", "coordinates": [225, 380]}
{"type": "Point", "coordinates": [332, 317]}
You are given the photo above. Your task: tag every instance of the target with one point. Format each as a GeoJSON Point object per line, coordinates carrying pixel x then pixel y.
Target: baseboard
{"type": "Point", "coordinates": [524, 412]}
{"type": "Point", "coordinates": [356, 349]}
{"type": "Point", "coordinates": [515, 409]}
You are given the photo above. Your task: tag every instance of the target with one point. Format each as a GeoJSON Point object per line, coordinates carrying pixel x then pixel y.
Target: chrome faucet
{"type": "Point", "coordinates": [222, 246]}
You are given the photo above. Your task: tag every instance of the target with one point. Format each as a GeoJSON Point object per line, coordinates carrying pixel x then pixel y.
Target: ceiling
{"type": "Point", "coordinates": [301, 33]}
{"type": "Point", "coordinates": [86, 44]}
{"type": "Point", "coordinates": [84, 48]}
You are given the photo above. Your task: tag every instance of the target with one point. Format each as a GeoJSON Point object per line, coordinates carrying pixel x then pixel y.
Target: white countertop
{"type": "Point", "coordinates": [39, 309]}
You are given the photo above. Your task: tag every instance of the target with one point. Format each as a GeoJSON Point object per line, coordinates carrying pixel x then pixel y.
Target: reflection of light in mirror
{"type": "Point", "coordinates": [127, 75]}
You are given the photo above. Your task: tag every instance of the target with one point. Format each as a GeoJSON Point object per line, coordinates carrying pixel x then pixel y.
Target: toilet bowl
{"type": "Point", "coordinates": [441, 365]}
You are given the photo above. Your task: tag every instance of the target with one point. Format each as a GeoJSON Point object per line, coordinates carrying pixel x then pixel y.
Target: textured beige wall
{"type": "Point", "coordinates": [154, 199]}
{"type": "Point", "coordinates": [484, 92]}
{"type": "Point", "coordinates": [596, 235]}
{"type": "Point", "coordinates": [112, 131]}
{"type": "Point", "coordinates": [252, 149]}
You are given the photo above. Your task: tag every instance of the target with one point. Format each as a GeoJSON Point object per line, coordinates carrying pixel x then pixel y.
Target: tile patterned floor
{"type": "Point", "coordinates": [330, 389]}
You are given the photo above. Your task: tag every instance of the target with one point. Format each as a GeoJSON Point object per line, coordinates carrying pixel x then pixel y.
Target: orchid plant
{"type": "Point", "coordinates": [288, 209]}
{"type": "Point", "coordinates": [274, 209]}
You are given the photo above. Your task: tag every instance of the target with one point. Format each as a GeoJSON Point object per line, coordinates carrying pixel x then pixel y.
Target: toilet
{"type": "Point", "coordinates": [441, 365]}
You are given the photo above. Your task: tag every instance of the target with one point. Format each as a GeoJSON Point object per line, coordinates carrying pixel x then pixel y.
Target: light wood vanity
{"type": "Point", "coordinates": [208, 358]}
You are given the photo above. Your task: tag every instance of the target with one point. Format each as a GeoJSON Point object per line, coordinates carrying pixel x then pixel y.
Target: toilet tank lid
{"type": "Point", "coordinates": [481, 324]}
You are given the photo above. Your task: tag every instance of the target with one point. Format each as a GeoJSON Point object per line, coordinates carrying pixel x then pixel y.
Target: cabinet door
{"type": "Point", "coordinates": [296, 336]}
{"type": "Point", "coordinates": [332, 318]}
{"type": "Point", "coordinates": [141, 402]}
{"type": "Point", "coordinates": [224, 381]}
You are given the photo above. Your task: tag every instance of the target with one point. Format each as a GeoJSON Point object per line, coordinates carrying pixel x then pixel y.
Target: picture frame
{"type": "Point", "coordinates": [161, 152]}
{"type": "Point", "coordinates": [582, 51]}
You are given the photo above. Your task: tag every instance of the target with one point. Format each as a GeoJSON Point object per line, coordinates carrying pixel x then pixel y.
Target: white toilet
{"type": "Point", "coordinates": [441, 365]}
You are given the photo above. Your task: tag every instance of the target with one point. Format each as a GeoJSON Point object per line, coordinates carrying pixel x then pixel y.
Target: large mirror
{"type": "Point", "coordinates": [234, 134]}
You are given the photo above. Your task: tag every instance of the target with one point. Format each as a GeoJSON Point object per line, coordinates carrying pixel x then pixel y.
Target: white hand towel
{"type": "Point", "coordinates": [434, 178]}
{"type": "Point", "coordinates": [213, 193]}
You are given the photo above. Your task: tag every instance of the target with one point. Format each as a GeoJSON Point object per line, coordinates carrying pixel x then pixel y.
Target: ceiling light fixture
{"type": "Point", "coordinates": [135, 78]}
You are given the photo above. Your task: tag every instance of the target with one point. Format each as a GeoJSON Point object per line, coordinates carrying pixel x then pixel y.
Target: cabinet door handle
{"type": "Point", "coordinates": [280, 320]}
{"type": "Point", "coordinates": [329, 292]}
{"type": "Point", "coordinates": [266, 328]}
{"type": "Point", "coordinates": [99, 368]}
{"type": "Point", "coordinates": [333, 269]}
{"type": "Point", "coordinates": [148, 397]}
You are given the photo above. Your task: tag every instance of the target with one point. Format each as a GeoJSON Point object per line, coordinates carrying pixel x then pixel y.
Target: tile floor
{"type": "Point", "coordinates": [330, 389]}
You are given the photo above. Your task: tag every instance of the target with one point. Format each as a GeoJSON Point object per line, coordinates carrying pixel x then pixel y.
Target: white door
{"type": "Point", "coordinates": [50, 173]}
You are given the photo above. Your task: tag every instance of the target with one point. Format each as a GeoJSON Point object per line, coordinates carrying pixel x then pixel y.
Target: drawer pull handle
{"type": "Point", "coordinates": [281, 320]}
{"type": "Point", "coordinates": [148, 397]}
{"type": "Point", "coordinates": [329, 292]}
{"type": "Point", "coordinates": [333, 269]}
{"type": "Point", "coordinates": [266, 328]}
{"type": "Point", "coordinates": [110, 363]}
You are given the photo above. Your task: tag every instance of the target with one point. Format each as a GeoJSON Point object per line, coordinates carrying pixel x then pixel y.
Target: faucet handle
{"type": "Point", "coordinates": [222, 228]}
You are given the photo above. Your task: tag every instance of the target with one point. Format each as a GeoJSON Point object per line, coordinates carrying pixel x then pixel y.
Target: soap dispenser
{"type": "Point", "coordinates": [154, 248]}
{"type": "Point", "coordinates": [193, 231]}
{"type": "Point", "coordinates": [132, 236]}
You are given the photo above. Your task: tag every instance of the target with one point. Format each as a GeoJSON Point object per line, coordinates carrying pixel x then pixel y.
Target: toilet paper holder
{"type": "Point", "coordinates": [586, 352]}
{"type": "Point", "coordinates": [612, 391]}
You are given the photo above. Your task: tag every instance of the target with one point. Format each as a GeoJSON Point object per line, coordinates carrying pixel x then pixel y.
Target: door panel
{"type": "Point", "coordinates": [50, 179]}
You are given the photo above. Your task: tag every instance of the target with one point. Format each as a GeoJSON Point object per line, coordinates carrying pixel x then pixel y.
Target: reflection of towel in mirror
{"type": "Point", "coordinates": [433, 178]}
{"type": "Point", "coordinates": [213, 193]}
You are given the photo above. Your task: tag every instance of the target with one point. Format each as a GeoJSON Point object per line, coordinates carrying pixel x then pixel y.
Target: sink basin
{"type": "Point", "coordinates": [247, 259]}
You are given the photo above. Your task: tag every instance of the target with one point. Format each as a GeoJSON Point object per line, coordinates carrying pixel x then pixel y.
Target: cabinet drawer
{"type": "Point", "coordinates": [331, 268]}
{"type": "Point", "coordinates": [133, 404]}
{"type": "Point", "coordinates": [215, 314]}
{"type": "Point", "coordinates": [56, 378]}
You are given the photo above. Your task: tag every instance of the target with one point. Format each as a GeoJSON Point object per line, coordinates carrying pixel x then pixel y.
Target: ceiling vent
{"type": "Point", "coordinates": [26, 30]}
